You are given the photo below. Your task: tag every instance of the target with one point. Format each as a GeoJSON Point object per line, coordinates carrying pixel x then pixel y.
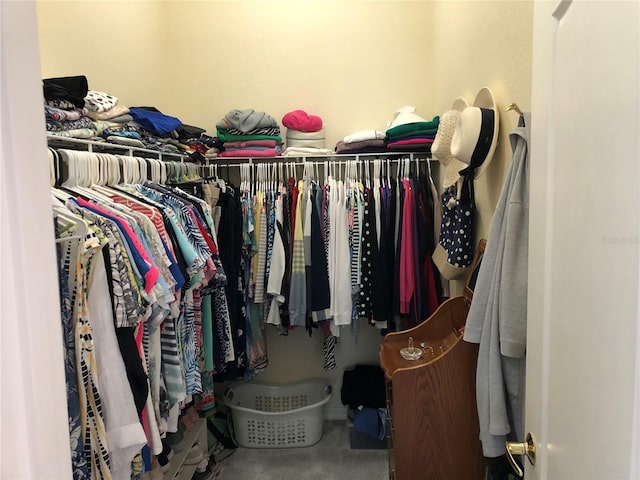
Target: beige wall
{"type": "Point", "coordinates": [351, 62]}
{"type": "Point", "coordinates": [484, 44]}
{"type": "Point", "coordinates": [119, 46]}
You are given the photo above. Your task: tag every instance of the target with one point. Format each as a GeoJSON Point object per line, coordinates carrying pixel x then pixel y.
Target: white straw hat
{"type": "Point", "coordinates": [441, 147]}
{"type": "Point", "coordinates": [476, 133]}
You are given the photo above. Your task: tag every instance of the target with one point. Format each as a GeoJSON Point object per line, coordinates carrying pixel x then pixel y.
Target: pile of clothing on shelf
{"type": "Point", "coordinates": [305, 134]}
{"type": "Point", "coordinates": [203, 147]}
{"type": "Point", "coordinates": [249, 133]}
{"type": "Point", "coordinates": [362, 141]}
{"type": "Point", "coordinates": [409, 132]}
{"type": "Point", "coordinates": [73, 110]}
{"type": "Point", "coordinates": [64, 109]}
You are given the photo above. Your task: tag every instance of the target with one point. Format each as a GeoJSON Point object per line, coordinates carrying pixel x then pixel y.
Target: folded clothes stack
{"type": "Point", "coordinates": [409, 132]}
{"type": "Point", "coordinates": [64, 109]}
{"type": "Point", "coordinates": [248, 133]}
{"type": "Point", "coordinates": [305, 134]}
{"type": "Point", "coordinates": [362, 141]}
{"type": "Point", "coordinates": [103, 106]}
{"type": "Point", "coordinates": [73, 110]}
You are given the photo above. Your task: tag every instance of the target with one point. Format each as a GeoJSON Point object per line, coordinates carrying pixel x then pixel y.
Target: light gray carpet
{"type": "Point", "coordinates": [329, 459]}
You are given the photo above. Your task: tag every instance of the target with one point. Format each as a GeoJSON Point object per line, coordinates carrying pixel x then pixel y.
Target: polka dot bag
{"type": "Point", "coordinates": [454, 252]}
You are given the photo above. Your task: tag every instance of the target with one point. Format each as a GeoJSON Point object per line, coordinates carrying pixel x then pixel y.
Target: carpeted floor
{"type": "Point", "coordinates": [330, 459]}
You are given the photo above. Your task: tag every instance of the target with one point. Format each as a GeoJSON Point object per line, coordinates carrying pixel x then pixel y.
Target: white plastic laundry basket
{"type": "Point", "coordinates": [278, 416]}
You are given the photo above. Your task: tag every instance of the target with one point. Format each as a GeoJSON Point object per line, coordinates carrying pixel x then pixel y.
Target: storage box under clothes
{"type": "Point", "coordinates": [296, 138]}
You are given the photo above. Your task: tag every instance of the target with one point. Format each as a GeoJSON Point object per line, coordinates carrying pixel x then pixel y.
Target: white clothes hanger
{"type": "Point", "coordinates": [103, 169]}
{"type": "Point", "coordinates": [141, 170]}
{"type": "Point", "coordinates": [94, 193]}
{"type": "Point", "coordinates": [72, 169]}
{"type": "Point", "coordinates": [59, 196]}
{"type": "Point", "coordinates": [93, 170]}
{"type": "Point", "coordinates": [261, 177]}
{"type": "Point", "coordinates": [163, 172]}
{"type": "Point", "coordinates": [274, 176]}
{"type": "Point", "coordinates": [154, 167]}
{"type": "Point", "coordinates": [367, 173]}
{"type": "Point", "coordinates": [135, 170]}
{"type": "Point", "coordinates": [124, 166]}
{"type": "Point", "coordinates": [52, 167]}
{"type": "Point", "coordinates": [70, 220]}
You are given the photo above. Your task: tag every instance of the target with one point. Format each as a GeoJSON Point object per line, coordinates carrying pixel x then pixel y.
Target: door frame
{"type": "Point", "coordinates": [541, 259]}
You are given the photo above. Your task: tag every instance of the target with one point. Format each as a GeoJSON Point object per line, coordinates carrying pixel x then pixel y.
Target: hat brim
{"type": "Point", "coordinates": [447, 270]}
{"type": "Point", "coordinates": [450, 173]}
{"type": "Point", "coordinates": [459, 104]}
{"type": "Point", "coordinates": [485, 99]}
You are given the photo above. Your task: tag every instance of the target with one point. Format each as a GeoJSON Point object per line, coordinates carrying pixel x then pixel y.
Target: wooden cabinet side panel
{"type": "Point", "coordinates": [436, 432]}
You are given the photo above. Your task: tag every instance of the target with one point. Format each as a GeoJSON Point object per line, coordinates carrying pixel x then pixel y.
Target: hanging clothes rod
{"type": "Point", "coordinates": [100, 147]}
{"type": "Point", "coordinates": [85, 168]}
{"type": "Point", "coordinates": [337, 159]}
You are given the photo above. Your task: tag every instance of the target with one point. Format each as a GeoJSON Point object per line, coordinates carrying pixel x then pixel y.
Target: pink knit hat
{"type": "Point", "coordinates": [301, 121]}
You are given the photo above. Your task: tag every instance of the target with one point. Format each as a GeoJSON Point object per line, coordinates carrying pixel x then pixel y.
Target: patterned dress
{"type": "Point", "coordinates": [91, 416]}
{"type": "Point", "coordinates": [79, 465]}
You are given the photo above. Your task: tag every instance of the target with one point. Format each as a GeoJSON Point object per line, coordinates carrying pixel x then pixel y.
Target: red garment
{"type": "Point", "coordinates": [428, 274]}
{"type": "Point", "coordinates": [147, 210]}
{"type": "Point", "coordinates": [301, 121]}
{"type": "Point", "coordinates": [407, 273]}
{"type": "Point", "coordinates": [207, 238]}
{"type": "Point", "coordinates": [269, 152]}
{"type": "Point", "coordinates": [251, 143]}
{"type": "Point", "coordinates": [151, 277]}
{"type": "Point", "coordinates": [410, 141]}
{"type": "Point", "coordinates": [294, 205]}
{"type": "Point", "coordinates": [430, 284]}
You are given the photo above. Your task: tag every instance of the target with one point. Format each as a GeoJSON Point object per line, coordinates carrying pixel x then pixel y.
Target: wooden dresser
{"type": "Point", "coordinates": [432, 421]}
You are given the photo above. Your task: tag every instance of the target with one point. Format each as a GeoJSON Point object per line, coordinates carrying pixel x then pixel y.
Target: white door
{"type": "Point", "coordinates": [583, 351]}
